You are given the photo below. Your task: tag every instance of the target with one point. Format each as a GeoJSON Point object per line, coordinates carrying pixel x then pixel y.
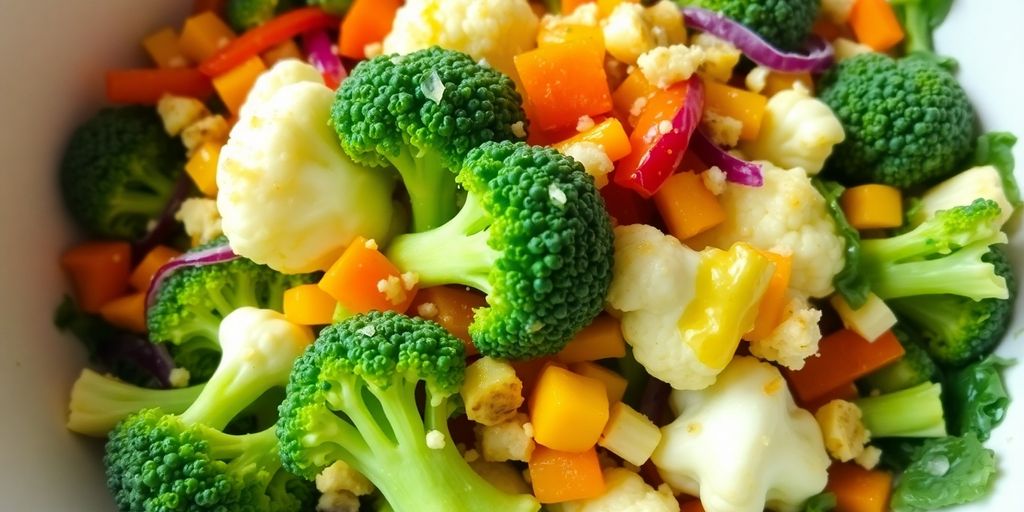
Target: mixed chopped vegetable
{"type": "Point", "coordinates": [577, 255]}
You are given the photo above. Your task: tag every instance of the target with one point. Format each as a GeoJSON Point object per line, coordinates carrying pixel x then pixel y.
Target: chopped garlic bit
{"type": "Point", "coordinates": [584, 123]}
{"type": "Point", "coordinates": [432, 87]}
{"type": "Point", "coordinates": [757, 79]}
{"type": "Point", "coordinates": [638, 105]}
{"type": "Point", "coordinates": [371, 244]}
{"type": "Point", "coordinates": [666, 66]}
{"type": "Point", "coordinates": [557, 195]}
{"type": "Point", "coordinates": [518, 129]}
{"type": "Point", "coordinates": [435, 440]}
{"type": "Point", "coordinates": [471, 455]}
{"type": "Point", "coordinates": [427, 310]}
{"type": "Point", "coordinates": [392, 289]}
{"type": "Point", "coordinates": [368, 331]}
{"type": "Point", "coordinates": [714, 180]}
{"type": "Point", "coordinates": [179, 377]}
{"type": "Point", "coordinates": [410, 280]}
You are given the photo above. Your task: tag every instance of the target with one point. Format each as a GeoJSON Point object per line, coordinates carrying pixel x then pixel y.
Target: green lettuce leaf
{"type": "Point", "coordinates": [946, 471]}
{"type": "Point", "coordinates": [976, 400]}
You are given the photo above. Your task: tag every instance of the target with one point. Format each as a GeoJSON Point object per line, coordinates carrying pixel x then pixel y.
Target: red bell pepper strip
{"type": "Point", "coordinates": [147, 86]}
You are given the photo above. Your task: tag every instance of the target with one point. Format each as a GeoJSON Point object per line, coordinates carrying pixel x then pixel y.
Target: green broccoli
{"type": "Point", "coordinates": [422, 113]}
{"type": "Point", "coordinates": [957, 330]}
{"type": "Point", "coordinates": [353, 397]}
{"type": "Point", "coordinates": [533, 235]}
{"type": "Point", "coordinates": [245, 14]}
{"type": "Point", "coordinates": [337, 7]}
{"type": "Point", "coordinates": [920, 18]}
{"type": "Point", "coordinates": [915, 367]}
{"type": "Point", "coordinates": [908, 122]}
{"type": "Point", "coordinates": [783, 23]}
{"type": "Point", "coordinates": [119, 172]}
{"type": "Point", "coordinates": [98, 403]}
{"type": "Point", "coordinates": [190, 304]}
{"type": "Point", "coordinates": [911, 412]}
{"type": "Point", "coordinates": [943, 255]}
{"type": "Point", "coordinates": [159, 462]}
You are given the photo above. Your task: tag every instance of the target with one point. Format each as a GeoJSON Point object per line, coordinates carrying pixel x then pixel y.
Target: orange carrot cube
{"type": "Point", "coordinates": [364, 280]}
{"type": "Point", "coordinates": [98, 272]}
{"type": "Point", "coordinates": [563, 476]}
{"type": "Point", "coordinates": [203, 35]}
{"type": "Point", "coordinates": [563, 82]}
{"type": "Point", "coordinates": [602, 339]}
{"type": "Point", "coordinates": [568, 411]}
{"type": "Point", "coordinates": [687, 206]}
{"type": "Point", "coordinates": [875, 24]}
{"type": "Point", "coordinates": [128, 312]}
{"type": "Point", "coordinates": [233, 86]}
{"type": "Point", "coordinates": [773, 302]}
{"type": "Point", "coordinates": [858, 489]}
{"type": "Point", "coordinates": [452, 307]}
{"type": "Point", "coordinates": [150, 264]}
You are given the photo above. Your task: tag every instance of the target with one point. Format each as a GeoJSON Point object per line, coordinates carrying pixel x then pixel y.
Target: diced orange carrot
{"type": "Point", "coordinates": [284, 51]}
{"type": "Point", "coordinates": [162, 47]}
{"type": "Point", "coordinates": [364, 280]}
{"type": "Point", "coordinates": [202, 168]}
{"type": "Point", "coordinates": [568, 6]}
{"type": "Point", "coordinates": [632, 95]}
{"type": "Point", "coordinates": [203, 35]}
{"type": "Point", "coordinates": [773, 302]}
{"type": "Point", "coordinates": [367, 22]}
{"type": "Point", "coordinates": [529, 371]}
{"type": "Point", "coordinates": [563, 82]}
{"type": "Point", "coordinates": [744, 106]}
{"type": "Point", "coordinates": [233, 86]}
{"type": "Point", "coordinates": [147, 86]}
{"type": "Point", "coordinates": [843, 357]}
{"type": "Point", "coordinates": [778, 82]}
{"type": "Point", "coordinates": [614, 384]}
{"type": "Point", "coordinates": [307, 304]}
{"type": "Point", "coordinates": [858, 489]}
{"type": "Point", "coordinates": [98, 272]}
{"type": "Point", "coordinates": [128, 312]}
{"type": "Point", "coordinates": [568, 411]}
{"type": "Point", "coordinates": [563, 476]}
{"type": "Point", "coordinates": [689, 504]}
{"type": "Point", "coordinates": [873, 206]}
{"type": "Point", "coordinates": [848, 392]}
{"type": "Point", "coordinates": [687, 206]}
{"type": "Point", "coordinates": [452, 307]}
{"type": "Point", "coordinates": [875, 24]}
{"type": "Point", "coordinates": [826, 29]}
{"type": "Point", "coordinates": [564, 33]}
{"type": "Point", "coordinates": [150, 264]}
{"type": "Point", "coordinates": [602, 339]}
{"type": "Point", "coordinates": [609, 134]}
{"type": "Point", "coordinates": [605, 7]}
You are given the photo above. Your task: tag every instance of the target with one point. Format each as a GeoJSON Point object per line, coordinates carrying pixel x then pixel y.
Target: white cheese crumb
{"type": "Point", "coordinates": [557, 195]}
{"type": "Point", "coordinates": [528, 429]}
{"type": "Point", "coordinates": [665, 66]}
{"type": "Point", "coordinates": [201, 219]}
{"type": "Point", "coordinates": [392, 289]}
{"type": "Point", "coordinates": [410, 280]}
{"type": "Point", "coordinates": [584, 123]}
{"type": "Point", "coordinates": [722, 130]}
{"type": "Point", "coordinates": [594, 159]}
{"type": "Point", "coordinates": [368, 331]}
{"type": "Point", "coordinates": [208, 129]}
{"type": "Point", "coordinates": [714, 180]}
{"type": "Point", "coordinates": [664, 126]}
{"type": "Point", "coordinates": [757, 79]}
{"type": "Point", "coordinates": [427, 310]}
{"type": "Point", "coordinates": [179, 377]}
{"type": "Point", "coordinates": [432, 87]}
{"type": "Point", "coordinates": [370, 244]}
{"type": "Point", "coordinates": [720, 57]}
{"type": "Point", "coordinates": [869, 458]}
{"type": "Point", "coordinates": [637, 107]}
{"type": "Point", "coordinates": [435, 440]}
{"type": "Point", "coordinates": [518, 130]}
{"type": "Point", "coordinates": [373, 50]}
{"type": "Point", "coordinates": [178, 112]}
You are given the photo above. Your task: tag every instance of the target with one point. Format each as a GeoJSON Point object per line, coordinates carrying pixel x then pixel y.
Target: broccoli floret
{"type": "Point", "coordinates": [783, 23]}
{"type": "Point", "coordinates": [943, 255]}
{"type": "Point", "coordinates": [911, 412]}
{"type": "Point", "coordinates": [533, 235]}
{"type": "Point", "coordinates": [119, 171]}
{"type": "Point", "coordinates": [190, 304]}
{"type": "Point", "coordinates": [422, 113]}
{"type": "Point", "coordinates": [908, 122]}
{"type": "Point", "coordinates": [98, 403]}
{"type": "Point", "coordinates": [338, 7]}
{"type": "Point", "coordinates": [353, 397]}
{"type": "Point", "coordinates": [957, 330]}
{"type": "Point", "coordinates": [245, 14]}
{"type": "Point", "coordinates": [915, 367]}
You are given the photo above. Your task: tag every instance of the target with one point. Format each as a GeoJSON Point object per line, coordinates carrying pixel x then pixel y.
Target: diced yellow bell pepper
{"type": "Point", "coordinates": [162, 47]}
{"type": "Point", "coordinates": [202, 168]}
{"type": "Point", "coordinates": [568, 411]}
{"type": "Point", "coordinates": [873, 206]}
{"type": "Point", "coordinates": [307, 304]}
{"type": "Point", "coordinates": [233, 86]}
{"type": "Point", "coordinates": [745, 106]}
{"type": "Point", "coordinates": [204, 35]}
{"type": "Point", "coordinates": [284, 51]}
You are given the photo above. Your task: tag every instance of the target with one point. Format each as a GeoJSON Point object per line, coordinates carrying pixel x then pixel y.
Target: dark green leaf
{"type": "Point", "coordinates": [849, 282]}
{"type": "Point", "coordinates": [996, 149]}
{"type": "Point", "coordinates": [946, 471]}
{"type": "Point", "coordinates": [976, 400]}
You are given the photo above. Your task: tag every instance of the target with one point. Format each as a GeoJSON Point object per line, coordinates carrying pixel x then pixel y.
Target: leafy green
{"type": "Point", "coordinates": [921, 18]}
{"type": "Point", "coordinates": [996, 149]}
{"type": "Point", "coordinates": [849, 282]}
{"type": "Point", "coordinates": [976, 400]}
{"type": "Point", "coordinates": [823, 502]}
{"type": "Point", "coordinates": [946, 471]}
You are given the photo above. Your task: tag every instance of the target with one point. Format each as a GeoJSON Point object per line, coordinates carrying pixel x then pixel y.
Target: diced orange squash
{"type": "Point", "coordinates": [633, 92]}
{"type": "Point", "coordinates": [873, 206]}
{"type": "Point", "coordinates": [614, 384]}
{"type": "Point", "coordinates": [843, 357]}
{"type": "Point", "coordinates": [150, 264]}
{"type": "Point", "coordinates": [364, 280]}
{"type": "Point", "coordinates": [777, 82]}
{"type": "Point", "coordinates": [773, 302]}
{"type": "Point", "coordinates": [307, 304]}
{"type": "Point", "coordinates": [128, 312]}
{"type": "Point", "coordinates": [452, 307]}
{"type": "Point", "coordinates": [284, 51]}
{"type": "Point", "coordinates": [602, 339]}
{"type": "Point", "coordinates": [858, 489]}
{"type": "Point", "coordinates": [563, 82]}
{"type": "Point", "coordinates": [568, 411]}
{"type": "Point", "coordinates": [98, 272]}
{"type": "Point", "coordinates": [568, 6]}
{"type": "Point", "coordinates": [203, 35]}
{"type": "Point", "coordinates": [367, 22]}
{"type": "Point", "coordinates": [609, 134]}
{"type": "Point", "coordinates": [559, 476]}
{"type": "Point", "coordinates": [564, 32]}
{"type": "Point", "coordinates": [744, 106]}
{"type": "Point", "coordinates": [202, 168]}
{"type": "Point", "coordinates": [233, 86]}
{"type": "Point", "coordinates": [687, 206]}
{"type": "Point", "coordinates": [162, 47]}
{"type": "Point", "coordinates": [875, 24]}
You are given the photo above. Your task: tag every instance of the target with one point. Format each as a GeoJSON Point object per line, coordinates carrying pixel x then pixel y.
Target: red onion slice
{"type": "Point", "coordinates": [165, 225]}
{"type": "Point", "coordinates": [736, 170]}
{"type": "Point", "coordinates": [208, 256]}
{"type": "Point", "coordinates": [321, 55]}
{"type": "Point", "coordinates": [819, 57]}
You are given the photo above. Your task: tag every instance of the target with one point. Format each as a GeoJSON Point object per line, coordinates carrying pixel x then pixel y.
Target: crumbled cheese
{"type": "Point", "coordinates": [373, 50]}
{"type": "Point", "coordinates": [471, 455]}
{"type": "Point", "coordinates": [410, 280]}
{"type": "Point", "coordinates": [427, 310]}
{"type": "Point", "coordinates": [666, 22]}
{"type": "Point", "coordinates": [177, 112]}
{"type": "Point", "coordinates": [557, 195]}
{"type": "Point", "coordinates": [371, 244]}
{"type": "Point", "coordinates": [518, 129]}
{"type": "Point", "coordinates": [201, 219]}
{"type": "Point", "coordinates": [869, 458]}
{"type": "Point", "coordinates": [722, 130]}
{"type": "Point", "coordinates": [627, 35]}
{"type": "Point", "coordinates": [757, 79]}
{"type": "Point", "coordinates": [179, 377]}
{"type": "Point", "coordinates": [714, 180]}
{"type": "Point", "coordinates": [638, 105]}
{"type": "Point", "coordinates": [842, 429]}
{"type": "Point", "coordinates": [837, 11]}
{"type": "Point", "coordinates": [846, 48]}
{"type": "Point", "coordinates": [594, 160]}
{"type": "Point", "coordinates": [368, 331]}
{"type": "Point", "coordinates": [432, 87]}
{"type": "Point", "coordinates": [584, 123]}
{"type": "Point", "coordinates": [435, 440]}
{"type": "Point", "coordinates": [337, 502]}
{"type": "Point", "coordinates": [720, 57]}
{"type": "Point", "coordinates": [665, 66]}
{"type": "Point", "coordinates": [586, 15]}
{"type": "Point", "coordinates": [213, 129]}
{"type": "Point", "coordinates": [664, 126]}
{"type": "Point", "coordinates": [528, 429]}
{"type": "Point", "coordinates": [392, 289]}
{"type": "Point", "coordinates": [340, 477]}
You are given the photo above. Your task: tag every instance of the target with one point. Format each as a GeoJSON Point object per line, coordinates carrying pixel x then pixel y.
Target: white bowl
{"type": "Point", "coordinates": [53, 54]}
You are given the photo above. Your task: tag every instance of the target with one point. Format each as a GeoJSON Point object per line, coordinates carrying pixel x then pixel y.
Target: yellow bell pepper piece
{"type": "Point", "coordinates": [233, 86]}
{"type": "Point", "coordinates": [873, 206]}
{"type": "Point", "coordinates": [745, 106]}
{"type": "Point", "coordinates": [602, 339]}
{"type": "Point", "coordinates": [162, 47]}
{"type": "Point", "coordinates": [202, 168]}
{"type": "Point", "coordinates": [204, 35]}
{"type": "Point", "coordinates": [307, 304]}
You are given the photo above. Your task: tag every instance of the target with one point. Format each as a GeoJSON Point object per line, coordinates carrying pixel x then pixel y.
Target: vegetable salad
{"type": "Point", "coordinates": [577, 255]}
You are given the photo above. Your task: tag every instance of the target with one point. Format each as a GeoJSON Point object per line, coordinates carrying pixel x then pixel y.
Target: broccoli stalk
{"type": "Point", "coordinates": [98, 403]}
{"type": "Point", "coordinates": [912, 412]}
{"type": "Point", "coordinates": [920, 18]}
{"type": "Point", "coordinates": [533, 235]}
{"type": "Point", "coordinates": [915, 367]}
{"type": "Point", "coordinates": [353, 397]}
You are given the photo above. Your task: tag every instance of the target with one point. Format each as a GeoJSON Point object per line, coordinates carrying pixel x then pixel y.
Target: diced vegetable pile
{"type": "Point", "coordinates": [611, 255]}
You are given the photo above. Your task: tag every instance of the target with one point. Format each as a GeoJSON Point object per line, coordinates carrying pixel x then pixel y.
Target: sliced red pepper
{"type": "Point", "coordinates": [627, 207]}
{"type": "Point", "coordinates": [147, 86]}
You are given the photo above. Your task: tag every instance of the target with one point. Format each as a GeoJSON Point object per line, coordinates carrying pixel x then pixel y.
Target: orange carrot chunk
{"type": "Point", "coordinates": [98, 272]}
{"type": "Point", "coordinates": [128, 312]}
{"type": "Point", "coordinates": [602, 339]}
{"type": "Point", "coordinates": [875, 24]}
{"type": "Point", "coordinates": [563, 82]}
{"type": "Point", "coordinates": [367, 22]}
{"type": "Point", "coordinates": [844, 357]}
{"type": "Point", "coordinates": [858, 489]}
{"type": "Point", "coordinates": [150, 264]}
{"type": "Point", "coordinates": [773, 302]}
{"type": "Point", "coordinates": [307, 304]}
{"type": "Point", "coordinates": [364, 280]}
{"type": "Point", "coordinates": [452, 307]}
{"type": "Point", "coordinates": [233, 86]}
{"type": "Point", "coordinates": [568, 411]}
{"type": "Point", "coordinates": [687, 206]}
{"type": "Point", "coordinates": [563, 476]}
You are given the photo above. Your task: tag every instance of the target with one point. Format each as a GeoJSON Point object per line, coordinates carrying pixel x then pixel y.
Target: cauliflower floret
{"type": "Point", "coordinates": [773, 456]}
{"type": "Point", "coordinates": [786, 214]}
{"type": "Point", "coordinates": [177, 112]}
{"type": "Point", "coordinates": [494, 30]}
{"type": "Point", "coordinates": [666, 22]}
{"type": "Point", "coordinates": [340, 477]}
{"type": "Point", "coordinates": [795, 338]}
{"type": "Point", "coordinates": [665, 66]}
{"type": "Point", "coordinates": [669, 297]}
{"type": "Point", "coordinates": [594, 159]}
{"type": "Point", "coordinates": [846, 48]}
{"type": "Point", "coordinates": [511, 440]}
{"type": "Point", "coordinates": [797, 130]}
{"type": "Point", "coordinates": [289, 196]}
{"type": "Point", "coordinates": [337, 502]}
{"type": "Point", "coordinates": [201, 219]}
{"type": "Point", "coordinates": [842, 429]}
{"type": "Point", "coordinates": [586, 15]}
{"type": "Point", "coordinates": [722, 130]}
{"type": "Point", "coordinates": [720, 57]}
{"type": "Point", "coordinates": [491, 391]}
{"type": "Point", "coordinates": [714, 179]}
{"type": "Point", "coordinates": [625, 491]}
{"type": "Point", "coordinates": [837, 11]}
{"type": "Point", "coordinates": [213, 129]}
{"type": "Point", "coordinates": [627, 35]}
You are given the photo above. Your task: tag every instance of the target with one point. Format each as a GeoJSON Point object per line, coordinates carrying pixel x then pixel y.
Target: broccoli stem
{"type": "Point", "coordinates": [234, 385]}
{"type": "Point", "coordinates": [935, 312]}
{"type": "Point", "coordinates": [431, 188]}
{"type": "Point", "coordinates": [960, 273]}
{"type": "Point", "coordinates": [912, 412]}
{"type": "Point", "coordinates": [455, 253]}
{"type": "Point", "coordinates": [918, 28]}
{"type": "Point", "coordinates": [98, 403]}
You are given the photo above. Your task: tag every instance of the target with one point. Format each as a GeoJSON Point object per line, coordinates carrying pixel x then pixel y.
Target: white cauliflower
{"type": "Point", "coordinates": [511, 440]}
{"type": "Point", "coordinates": [492, 30]}
{"type": "Point", "coordinates": [177, 112]}
{"type": "Point", "coordinates": [625, 491]}
{"type": "Point", "coordinates": [786, 215]}
{"type": "Point", "coordinates": [627, 35]}
{"type": "Point", "coordinates": [665, 66]}
{"type": "Point", "coordinates": [680, 314]}
{"type": "Point", "coordinates": [961, 190]}
{"type": "Point", "coordinates": [795, 338]}
{"type": "Point", "coordinates": [264, 339]}
{"type": "Point", "coordinates": [289, 196]}
{"type": "Point", "coordinates": [798, 130]}
{"type": "Point", "coordinates": [842, 429]}
{"type": "Point", "coordinates": [201, 219]}
{"type": "Point", "coordinates": [742, 444]}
